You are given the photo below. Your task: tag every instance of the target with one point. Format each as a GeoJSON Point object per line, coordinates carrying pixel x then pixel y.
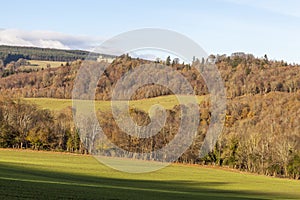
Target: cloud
{"type": "Point", "coordinates": [47, 39]}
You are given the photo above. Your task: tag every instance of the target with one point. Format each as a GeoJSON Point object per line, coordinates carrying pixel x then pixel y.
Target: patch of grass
{"type": "Point", "coordinates": [167, 102]}
{"type": "Point", "coordinates": [48, 175]}
{"type": "Point", "coordinates": [51, 103]}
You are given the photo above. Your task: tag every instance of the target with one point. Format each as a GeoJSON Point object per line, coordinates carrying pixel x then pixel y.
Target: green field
{"type": "Point", "coordinates": [168, 102]}
{"type": "Point", "coordinates": [47, 175]}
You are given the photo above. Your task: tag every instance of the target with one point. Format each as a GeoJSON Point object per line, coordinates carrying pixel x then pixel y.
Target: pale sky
{"type": "Point", "coordinates": [260, 27]}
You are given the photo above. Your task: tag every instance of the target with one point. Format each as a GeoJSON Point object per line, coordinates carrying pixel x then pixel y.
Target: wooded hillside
{"type": "Point", "coordinates": [241, 76]}
{"type": "Point", "coordinates": [261, 132]}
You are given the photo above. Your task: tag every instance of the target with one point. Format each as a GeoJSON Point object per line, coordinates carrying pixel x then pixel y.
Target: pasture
{"type": "Point", "coordinates": [28, 174]}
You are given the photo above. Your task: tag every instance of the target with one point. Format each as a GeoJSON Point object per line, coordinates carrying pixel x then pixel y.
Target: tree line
{"type": "Point", "coordinates": [24, 125]}
{"type": "Point", "coordinates": [261, 135]}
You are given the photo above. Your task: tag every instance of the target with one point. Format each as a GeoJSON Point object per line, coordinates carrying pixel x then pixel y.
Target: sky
{"type": "Point", "coordinates": [259, 27]}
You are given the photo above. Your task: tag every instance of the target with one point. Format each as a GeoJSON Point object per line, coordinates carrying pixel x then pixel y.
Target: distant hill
{"type": "Point", "coordinates": [14, 53]}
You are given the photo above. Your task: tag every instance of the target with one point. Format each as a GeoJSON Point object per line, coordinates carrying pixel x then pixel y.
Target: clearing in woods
{"type": "Point", "coordinates": [39, 64]}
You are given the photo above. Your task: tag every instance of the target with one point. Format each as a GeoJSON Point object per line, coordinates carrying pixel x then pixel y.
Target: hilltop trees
{"type": "Point", "coordinates": [244, 75]}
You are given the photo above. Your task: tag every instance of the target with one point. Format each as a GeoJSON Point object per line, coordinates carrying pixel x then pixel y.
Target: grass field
{"type": "Point", "coordinates": [42, 64]}
{"type": "Point", "coordinates": [47, 175]}
{"type": "Point", "coordinates": [167, 102]}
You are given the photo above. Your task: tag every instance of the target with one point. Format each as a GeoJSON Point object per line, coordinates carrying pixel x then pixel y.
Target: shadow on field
{"type": "Point", "coordinates": [22, 182]}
